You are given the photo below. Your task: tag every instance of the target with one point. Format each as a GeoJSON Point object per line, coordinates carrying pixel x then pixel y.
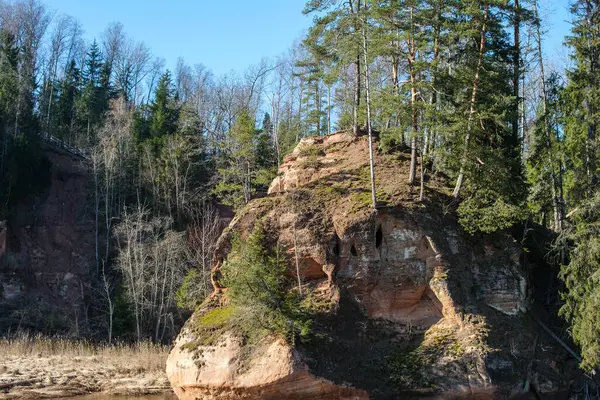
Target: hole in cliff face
{"type": "Point", "coordinates": [353, 251]}
{"type": "Point", "coordinates": [378, 237]}
{"type": "Point", "coordinates": [311, 269]}
{"type": "Point", "coordinates": [336, 245]}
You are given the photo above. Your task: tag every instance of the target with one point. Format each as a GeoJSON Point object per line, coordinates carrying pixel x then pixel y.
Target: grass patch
{"type": "Point", "coordinates": [410, 365]}
{"type": "Point", "coordinates": [310, 156]}
{"type": "Point", "coordinates": [311, 151]}
{"type": "Point", "coordinates": [310, 162]}
{"type": "Point", "coordinates": [210, 326]}
{"type": "Point", "coordinates": [142, 356]}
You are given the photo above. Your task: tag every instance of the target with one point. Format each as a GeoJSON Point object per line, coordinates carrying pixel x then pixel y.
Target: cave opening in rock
{"type": "Point", "coordinates": [353, 251]}
{"type": "Point", "coordinates": [378, 237]}
{"type": "Point", "coordinates": [336, 245]}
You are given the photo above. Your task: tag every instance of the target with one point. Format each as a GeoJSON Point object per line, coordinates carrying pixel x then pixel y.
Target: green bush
{"type": "Point", "coordinates": [582, 280]}
{"type": "Point", "coordinates": [258, 287]}
{"type": "Point", "coordinates": [486, 211]}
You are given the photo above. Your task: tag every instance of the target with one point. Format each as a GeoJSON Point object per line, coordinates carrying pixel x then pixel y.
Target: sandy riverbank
{"type": "Point", "coordinates": [49, 368]}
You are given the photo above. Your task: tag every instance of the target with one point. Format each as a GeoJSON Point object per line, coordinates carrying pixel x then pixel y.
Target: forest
{"type": "Point", "coordinates": [462, 87]}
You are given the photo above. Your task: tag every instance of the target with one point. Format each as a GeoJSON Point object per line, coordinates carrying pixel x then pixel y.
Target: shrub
{"type": "Point", "coordinates": [259, 289]}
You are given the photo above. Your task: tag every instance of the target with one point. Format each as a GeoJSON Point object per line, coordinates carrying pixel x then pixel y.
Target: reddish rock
{"type": "Point", "coordinates": [399, 274]}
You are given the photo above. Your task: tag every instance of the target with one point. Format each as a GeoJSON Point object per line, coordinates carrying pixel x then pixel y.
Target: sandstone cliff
{"type": "Point", "coordinates": [415, 305]}
{"type": "Point", "coordinates": [47, 254]}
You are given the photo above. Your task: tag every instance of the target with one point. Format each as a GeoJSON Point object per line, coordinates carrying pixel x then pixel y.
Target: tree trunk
{"type": "Point", "coordinates": [297, 257]}
{"type": "Point", "coordinates": [356, 96]}
{"type": "Point", "coordinates": [318, 101]}
{"type": "Point", "coordinates": [329, 109]}
{"type": "Point", "coordinates": [413, 104]}
{"type": "Point", "coordinates": [516, 71]}
{"type": "Point", "coordinates": [369, 126]}
{"type": "Point", "coordinates": [357, 77]}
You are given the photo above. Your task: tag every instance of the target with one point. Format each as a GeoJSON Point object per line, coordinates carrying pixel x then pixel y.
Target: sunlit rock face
{"type": "Point", "coordinates": [405, 276]}
{"type": "Point", "coordinates": [274, 371]}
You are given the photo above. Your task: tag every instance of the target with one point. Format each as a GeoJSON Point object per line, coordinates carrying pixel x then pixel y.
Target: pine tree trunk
{"type": "Point", "coordinates": [473, 103]}
{"type": "Point", "coordinates": [357, 77]}
{"type": "Point", "coordinates": [329, 109]}
{"type": "Point", "coordinates": [422, 189]}
{"type": "Point", "coordinates": [413, 140]}
{"type": "Point", "coordinates": [356, 96]}
{"type": "Point", "coordinates": [369, 126]}
{"type": "Point", "coordinates": [413, 104]}
{"type": "Point", "coordinates": [516, 71]}
{"type": "Point", "coordinates": [318, 100]}
{"type": "Point", "coordinates": [430, 143]}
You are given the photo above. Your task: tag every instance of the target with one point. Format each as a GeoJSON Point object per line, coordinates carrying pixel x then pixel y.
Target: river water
{"type": "Point", "coordinates": [105, 397]}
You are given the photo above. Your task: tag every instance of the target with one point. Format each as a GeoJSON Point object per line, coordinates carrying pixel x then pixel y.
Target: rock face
{"type": "Point", "coordinates": [413, 295]}
{"type": "Point", "coordinates": [276, 371]}
{"type": "Point", "coordinates": [47, 253]}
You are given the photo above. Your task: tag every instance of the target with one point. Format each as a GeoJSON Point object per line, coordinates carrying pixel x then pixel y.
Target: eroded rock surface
{"type": "Point", "coordinates": [47, 253]}
{"type": "Point", "coordinates": [412, 293]}
{"type": "Point", "coordinates": [274, 371]}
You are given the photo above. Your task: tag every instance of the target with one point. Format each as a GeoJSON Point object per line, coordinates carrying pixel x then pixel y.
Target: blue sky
{"type": "Point", "coordinates": [223, 35]}
{"type": "Point", "coordinates": [231, 35]}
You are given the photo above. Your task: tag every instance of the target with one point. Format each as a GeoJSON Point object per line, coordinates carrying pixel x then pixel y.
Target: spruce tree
{"type": "Point", "coordinates": [66, 105]}
{"type": "Point", "coordinates": [94, 96]}
{"type": "Point", "coordinates": [582, 100]}
{"type": "Point", "coordinates": [490, 176]}
{"type": "Point", "coordinates": [164, 110]}
{"type": "Point", "coordinates": [581, 115]}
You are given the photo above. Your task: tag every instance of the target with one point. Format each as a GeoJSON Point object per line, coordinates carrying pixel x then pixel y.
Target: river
{"type": "Point", "coordinates": [168, 396]}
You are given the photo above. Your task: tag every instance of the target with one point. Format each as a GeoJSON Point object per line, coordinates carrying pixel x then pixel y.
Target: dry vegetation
{"type": "Point", "coordinates": [39, 367]}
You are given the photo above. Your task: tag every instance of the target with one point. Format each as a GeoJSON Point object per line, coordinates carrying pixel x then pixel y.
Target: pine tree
{"type": "Point", "coordinates": [311, 71]}
{"type": "Point", "coordinates": [338, 30]}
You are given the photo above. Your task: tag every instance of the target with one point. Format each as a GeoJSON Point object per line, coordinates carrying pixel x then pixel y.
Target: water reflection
{"type": "Point", "coordinates": [167, 396]}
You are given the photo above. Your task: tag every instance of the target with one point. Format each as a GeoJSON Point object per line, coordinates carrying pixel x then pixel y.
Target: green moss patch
{"type": "Point", "coordinates": [210, 326]}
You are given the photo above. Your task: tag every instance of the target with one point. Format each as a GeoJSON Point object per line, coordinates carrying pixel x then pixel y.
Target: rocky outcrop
{"type": "Point", "coordinates": [275, 370]}
{"type": "Point", "coordinates": [413, 296]}
{"type": "Point", "coordinates": [49, 253]}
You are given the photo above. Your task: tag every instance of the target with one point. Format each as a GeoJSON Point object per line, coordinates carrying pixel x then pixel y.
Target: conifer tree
{"type": "Point", "coordinates": [583, 103]}
{"type": "Point", "coordinates": [95, 93]}
{"type": "Point", "coordinates": [581, 115]}
{"type": "Point", "coordinates": [66, 105]}
{"type": "Point", "coordinates": [235, 187]}
{"type": "Point", "coordinates": [339, 28]}
{"type": "Point", "coordinates": [488, 157]}
{"type": "Point", "coordinates": [164, 111]}
{"type": "Point", "coordinates": [8, 91]}
{"type": "Point", "coordinates": [311, 71]}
